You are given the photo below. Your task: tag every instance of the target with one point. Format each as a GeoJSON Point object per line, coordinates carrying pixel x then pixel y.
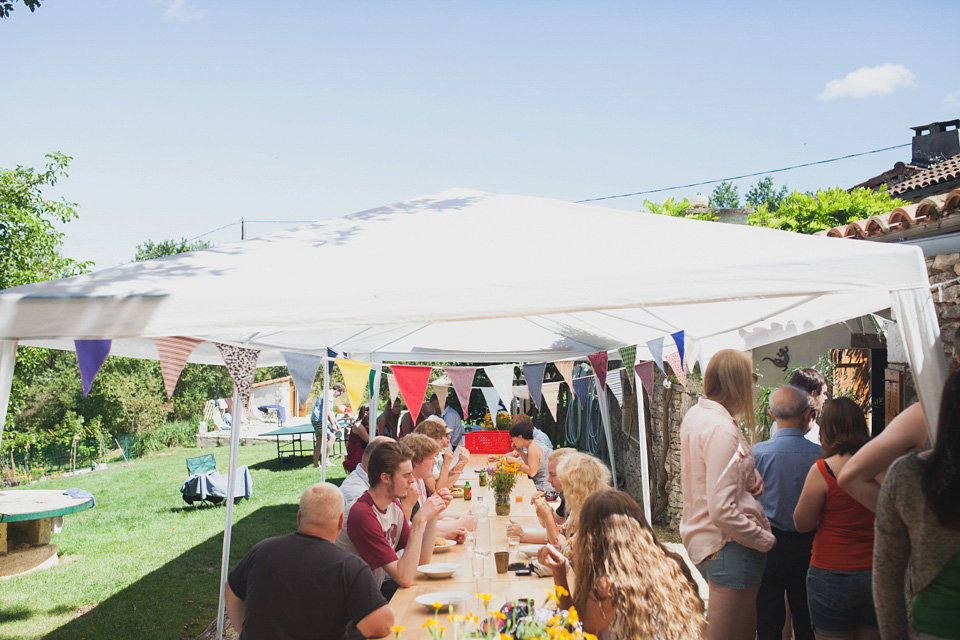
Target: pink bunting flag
{"type": "Point", "coordinates": [462, 380]}
{"type": "Point", "coordinates": [551, 395]}
{"type": "Point", "coordinates": [599, 363]}
{"type": "Point", "coordinates": [674, 360]}
{"type": "Point", "coordinates": [242, 366]}
{"type": "Point", "coordinates": [565, 367]}
{"type": "Point", "coordinates": [173, 353]}
{"type": "Point", "coordinates": [412, 381]}
{"type": "Point", "coordinates": [645, 373]}
{"type": "Point", "coordinates": [91, 354]}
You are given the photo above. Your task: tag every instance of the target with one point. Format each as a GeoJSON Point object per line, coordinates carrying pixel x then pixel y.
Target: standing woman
{"type": "Point", "coordinates": [918, 520]}
{"type": "Point", "coordinates": [724, 528]}
{"type": "Point", "coordinates": [358, 439]}
{"type": "Point", "coordinates": [839, 592]}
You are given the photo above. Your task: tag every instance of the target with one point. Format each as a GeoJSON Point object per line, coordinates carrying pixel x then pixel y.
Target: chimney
{"type": "Point", "coordinates": [935, 142]}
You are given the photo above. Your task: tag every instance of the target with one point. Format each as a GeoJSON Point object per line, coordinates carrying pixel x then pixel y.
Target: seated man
{"type": "Point", "coordinates": [358, 481]}
{"type": "Point", "coordinates": [273, 592]}
{"type": "Point", "coordinates": [376, 527]}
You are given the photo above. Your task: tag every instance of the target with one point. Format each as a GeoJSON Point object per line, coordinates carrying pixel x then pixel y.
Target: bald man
{"type": "Point", "coordinates": [277, 589]}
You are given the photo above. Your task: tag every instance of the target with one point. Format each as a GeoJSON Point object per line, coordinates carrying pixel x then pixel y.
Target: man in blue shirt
{"type": "Point", "coordinates": [783, 462]}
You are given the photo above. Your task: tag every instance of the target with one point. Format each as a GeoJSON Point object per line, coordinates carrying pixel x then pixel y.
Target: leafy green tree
{"type": "Point", "coordinates": [7, 7]}
{"type": "Point", "coordinates": [150, 249]}
{"type": "Point", "coordinates": [809, 213]}
{"type": "Point", "coordinates": [676, 209]}
{"type": "Point", "coordinates": [725, 196]}
{"type": "Point", "coordinates": [763, 193]}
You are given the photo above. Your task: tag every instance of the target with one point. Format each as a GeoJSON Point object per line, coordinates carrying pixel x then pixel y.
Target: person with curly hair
{"type": "Point", "coordinates": [581, 475]}
{"type": "Point", "coordinates": [628, 584]}
{"type": "Point", "coordinates": [917, 535]}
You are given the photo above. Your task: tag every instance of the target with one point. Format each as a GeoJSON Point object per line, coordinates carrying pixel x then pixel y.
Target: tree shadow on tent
{"type": "Point", "coordinates": [179, 599]}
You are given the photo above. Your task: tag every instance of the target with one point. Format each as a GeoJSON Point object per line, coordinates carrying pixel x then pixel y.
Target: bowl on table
{"type": "Point", "coordinates": [438, 570]}
{"type": "Point", "coordinates": [442, 546]}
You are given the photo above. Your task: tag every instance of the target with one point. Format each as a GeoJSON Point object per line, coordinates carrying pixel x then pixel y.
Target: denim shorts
{"type": "Point", "coordinates": [840, 601]}
{"type": "Point", "coordinates": [734, 567]}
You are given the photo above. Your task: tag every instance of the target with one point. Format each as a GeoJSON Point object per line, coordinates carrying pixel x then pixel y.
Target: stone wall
{"type": "Point", "coordinates": [943, 269]}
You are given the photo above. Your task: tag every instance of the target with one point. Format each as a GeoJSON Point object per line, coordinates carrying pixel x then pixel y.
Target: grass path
{"type": "Point", "coordinates": [143, 564]}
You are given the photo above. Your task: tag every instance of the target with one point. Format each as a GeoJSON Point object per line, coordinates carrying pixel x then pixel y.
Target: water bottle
{"type": "Point", "coordinates": [481, 528]}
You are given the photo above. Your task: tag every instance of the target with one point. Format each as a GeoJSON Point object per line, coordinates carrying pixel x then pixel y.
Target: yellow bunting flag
{"type": "Point", "coordinates": [355, 375]}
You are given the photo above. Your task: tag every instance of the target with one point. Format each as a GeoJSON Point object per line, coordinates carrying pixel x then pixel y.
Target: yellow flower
{"type": "Point", "coordinates": [561, 591]}
{"type": "Point", "coordinates": [574, 617]}
{"type": "Point", "coordinates": [397, 629]}
{"type": "Point", "coordinates": [429, 623]}
{"type": "Point", "coordinates": [501, 616]}
{"type": "Point", "coordinates": [437, 605]}
{"type": "Point", "coordinates": [505, 636]}
{"type": "Point", "coordinates": [486, 597]}
{"type": "Point", "coordinates": [589, 636]}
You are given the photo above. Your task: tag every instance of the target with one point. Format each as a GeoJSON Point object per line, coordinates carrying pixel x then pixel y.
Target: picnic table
{"type": "Point", "coordinates": [290, 441]}
{"type": "Point", "coordinates": [27, 518]}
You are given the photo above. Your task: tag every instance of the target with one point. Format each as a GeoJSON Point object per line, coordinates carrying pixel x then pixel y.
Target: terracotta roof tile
{"type": "Point", "coordinates": [902, 218]}
{"type": "Point", "coordinates": [944, 171]}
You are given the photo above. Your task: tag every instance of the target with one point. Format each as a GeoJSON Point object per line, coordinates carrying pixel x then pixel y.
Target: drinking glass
{"type": "Point", "coordinates": [513, 543]}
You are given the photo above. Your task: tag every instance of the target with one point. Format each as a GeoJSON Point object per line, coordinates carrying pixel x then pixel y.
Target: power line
{"type": "Point", "coordinates": [746, 175]}
{"type": "Point", "coordinates": [233, 224]}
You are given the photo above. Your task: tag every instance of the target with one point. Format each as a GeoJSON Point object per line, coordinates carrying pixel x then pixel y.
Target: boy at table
{"type": "Point", "coordinates": [376, 527]}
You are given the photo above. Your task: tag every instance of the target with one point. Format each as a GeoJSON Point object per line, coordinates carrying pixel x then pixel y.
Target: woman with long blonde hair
{"type": "Point", "coordinates": [724, 528]}
{"type": "Point", "coordinates": [581, 475]}
{"type": "Point", "coordinates": [628, 584]}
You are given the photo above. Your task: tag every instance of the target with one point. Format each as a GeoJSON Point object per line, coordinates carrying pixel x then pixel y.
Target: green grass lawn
{"type": "Point", "coordinates": [143, 564]}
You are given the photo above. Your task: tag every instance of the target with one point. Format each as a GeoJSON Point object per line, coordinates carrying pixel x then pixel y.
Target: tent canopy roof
{"type": "Point", "coordinates": [523, 278]}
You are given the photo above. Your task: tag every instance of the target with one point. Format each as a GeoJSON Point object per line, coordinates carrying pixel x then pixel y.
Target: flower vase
{"type": "Point", "coordinates": [502, 503]}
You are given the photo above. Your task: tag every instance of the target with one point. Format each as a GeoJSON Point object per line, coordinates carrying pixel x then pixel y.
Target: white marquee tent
{"type": "Point", "coordinates": [476, 277]}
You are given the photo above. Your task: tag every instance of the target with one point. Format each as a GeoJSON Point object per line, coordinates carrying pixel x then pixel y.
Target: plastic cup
{"type": "Point", "coordinates": [503, 560]}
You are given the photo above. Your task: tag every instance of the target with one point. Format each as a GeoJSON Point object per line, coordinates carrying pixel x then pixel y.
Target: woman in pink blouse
{"type": "Point", "coordinates": [724, 528]}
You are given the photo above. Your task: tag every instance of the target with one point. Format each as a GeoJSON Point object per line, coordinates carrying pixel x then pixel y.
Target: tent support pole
{"type": "Point", "coordinates": [644, 461]}
{"type": "Point", "coordinates": [327, 370]}
{"type": "Point", "coordinates": [8, 360]}
{"type": "Point", "coordinates": [605, 416]}
{"type": "Point", "coordinates": [231, 490]}
{"type": "Point", "coordinates": [374, 399]}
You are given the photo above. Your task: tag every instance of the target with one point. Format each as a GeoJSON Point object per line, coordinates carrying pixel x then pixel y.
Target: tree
{"type": "Point", "coordinates": [7, 7]}
{"type": "Point", "coordinates": [670, 207]}
{"type": "Point", "coordinates": [30, 244]}
{"type": "Point", "coordinates": [725, 196]}
{"type": "Point", "coordinates": [150, 249]}
{"type": "Point", "coordinates": [809, 213]}
{"type": "Point", "coordinates": [763, 193]}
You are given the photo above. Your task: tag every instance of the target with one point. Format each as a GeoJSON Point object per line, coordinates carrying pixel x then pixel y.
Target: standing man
{"type": "Point", "coordinates": [454, 422]}
{"type": "Point", "coordinates": [275, 590]}
{"type": "Point", "coordinates": [316, 419]}
{"type": "Point", "coordinates": [783, 463]}
{"type": "Point", "coordinates": [376, 527]}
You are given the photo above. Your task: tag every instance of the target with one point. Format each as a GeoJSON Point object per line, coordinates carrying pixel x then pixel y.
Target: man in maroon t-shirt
{"type": "Point", "coordinates": [376, 527]}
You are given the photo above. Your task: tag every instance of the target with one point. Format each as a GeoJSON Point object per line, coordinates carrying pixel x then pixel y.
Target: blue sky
{"type": "Point", "coordinates": [185, 115]}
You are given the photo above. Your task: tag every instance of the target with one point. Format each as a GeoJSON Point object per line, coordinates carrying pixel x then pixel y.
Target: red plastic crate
{"type": "Point", "coordinates": [491, 441]}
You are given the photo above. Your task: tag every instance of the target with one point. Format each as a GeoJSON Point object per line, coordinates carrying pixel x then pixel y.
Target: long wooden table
{"type": "Point", "coordinates": [504, 587]}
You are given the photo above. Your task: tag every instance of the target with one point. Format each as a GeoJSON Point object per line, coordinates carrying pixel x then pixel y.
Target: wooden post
{"type": "Point", "coordinates": [892, 394]}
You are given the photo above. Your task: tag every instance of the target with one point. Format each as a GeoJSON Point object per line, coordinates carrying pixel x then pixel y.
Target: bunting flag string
{"type": "Point", "coordinates": [656, 350]}
{"type": "Point", "coordinates": [674, 359]}
{"type": "Point", "coordinates": [599, 363]}
{"type": "Point", "coordinates": [629, 356]}
{"type": "Point", "coordinates": [412, 382]}
{"type": "Point", "coordinates": [356, 374]}
{"type": "Point", "coordinates": [565, 367]}
{"type": "Point", "coordinates": [645, 373]}
{"type": "Point", "coordinates": [173, 353]}
{"type": "Point", "coordinates": [581, 387]}
{"type": "Point", "coordinates": [493, 402]}
{"type": "Point", "coordinates": [462, 380]}
{"type": "Point", "coordinates": [678, 340]}
{"type": "Point", "coordinates": [613, 383]}
{"type": "Point", "coordinates": [393, 387]}
{"type": "Point", "coordinates": [303, 369]}
{"type": "Point", "coordinates": [91, 354]}
{"type": "Point", "coordinates": [533, 374]}
{"type": "Point", "coordinates": [501, 375]}
{"type": "Point", "coordinates": [242, 366]}
{"type": "Point", "coordinates": [551, 395]}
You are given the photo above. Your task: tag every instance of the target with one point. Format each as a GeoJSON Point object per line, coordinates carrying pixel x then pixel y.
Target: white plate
{"type": "Point", "coordinates": [535, 530]}
{"type": "Point", "coordinates": [446, 598]}
{"type": "Point", "coordinates": [530, 550]}
{"type": "Point", "coordinates": [445, 547]}
{"type": "Point", "coordinates": [438, 569]}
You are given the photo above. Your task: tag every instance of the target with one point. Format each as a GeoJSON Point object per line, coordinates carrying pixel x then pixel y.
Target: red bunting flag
{"type": "Point", "coordinates": [599, 363]}
{"type": "Point", "coordinates": [412, 382]}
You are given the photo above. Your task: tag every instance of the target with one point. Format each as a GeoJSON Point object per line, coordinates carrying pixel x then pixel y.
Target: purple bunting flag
{"type": "Point", "coordinates": [533, 374]}
{"type": "Point", "coordinates": [91, 354]}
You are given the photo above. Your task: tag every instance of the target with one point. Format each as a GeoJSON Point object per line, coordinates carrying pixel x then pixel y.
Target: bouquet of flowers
{"type": "Point", "coordinates": [503, 421]}
{"type": "Point", "coordinates": [504, 476]}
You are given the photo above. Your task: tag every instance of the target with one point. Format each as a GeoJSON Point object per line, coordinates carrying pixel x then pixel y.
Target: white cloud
{"type": "Point", "coordinates": [952, 98]}
{"type": "Point", "coordinates": [181, 11]}
{"type": "Point", "coordinates": [866, 82]}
